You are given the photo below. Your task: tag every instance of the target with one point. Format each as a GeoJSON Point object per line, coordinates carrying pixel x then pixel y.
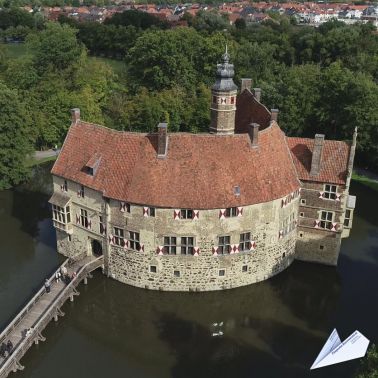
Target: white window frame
{"type": "Point", "coordinates": [170, 245]}
{"type": "Point", "coordinates": [134, 240]}
{"type": "Point", "coordinates": [84, 218]}
{"type": "Point", "coordinates": [231, 212]}
{"type": "Point", "coordinates": [330, 191]}
{"type": "Point", "coordinates": [119, 236]}
{"type": "Point", "coordinates": [245, 241]}
{"type": "Point", "coordinates": [187, 245]}
{"type": "Point", "coordinates": [186, 213]}
{"type": "Point", "coordinates": [224, 244]}
{"type": "Point", "coordinates": [348, 219]}
{"type": "Point", "coordinates": [326, 223]}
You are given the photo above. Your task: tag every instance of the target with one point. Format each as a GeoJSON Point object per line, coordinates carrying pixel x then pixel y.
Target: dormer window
{"type": "Point", "coordinates": [92, 165]}
{"type": "Point", "coordinates": [330, 191]}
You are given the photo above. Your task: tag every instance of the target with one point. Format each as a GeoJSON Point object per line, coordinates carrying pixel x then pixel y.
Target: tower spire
{"type": "Point", "coordinates": [223, 105]}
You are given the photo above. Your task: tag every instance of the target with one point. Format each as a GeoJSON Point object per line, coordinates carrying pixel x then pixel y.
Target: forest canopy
{"type": "Point", "coordinates": [323, 80]}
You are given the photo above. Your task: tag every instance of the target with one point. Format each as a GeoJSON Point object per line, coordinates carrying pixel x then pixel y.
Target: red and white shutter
{"type": "Point", "coordinates": [321, 194]}
{"type": "Point", "coordinates": [176, 214]}
{"type": "Point", "coordinates": [222, 214]}
{"type": "Point", "coordinates": [252, 245]}
{"type": "Point", "coordinates": [159, 250]}
{"type": "Point", "coordinates": [77, 219]}
{"type": "Point", "coordinates": [196, 251]}
{"type": "Point", "coordinates": [141, 247]}
{"type": "Point", "coordinates": [316, 223]}
{"type": "Point", "coordinates": [334, 227]}
{"type": "Point", "coordinates": [79, 193]}
{"type": "Point", "coordinates": [145, 211]}
{"type": "Point", "coordinates": [338, 196]}
{"type": "Point", "coordinates": [215, 251]}
{"type": "Point", "coordinates": [195, 214]}
{"type": "Point", "coordinates": [125, 244]}
{"type": "Point", "coordinates": [240, 211]}
{"type": "Point", "coordinates": [111, 239]}
{"type": "Point", "coordinates": [234, 249]}
{"type": "Point", "coordinates": [122, 207]}
{"type": "Point", "coordinates": [89, 224]}
{"type": "Point", "coordinates": [280, 234]}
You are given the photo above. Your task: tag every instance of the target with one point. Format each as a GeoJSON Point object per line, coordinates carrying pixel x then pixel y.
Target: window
{"type": "Point", "coordinates": [321, 247]}
{"type": "Point", "coordinates": [245, 242]}
{"type": "Point", "coordinates": [348, 217]}
{"type": "Point", "coordinates": [288, 224]}
{"type": "Point", "coordinates": [61, 216]}
{"type": "Point", "coordinates": [222, 272]}
{"type": "Point", "coordinates": [58, 214]}
{"type": "Point", "coordinates": [245, 268]}
{"type": "Point", "coordinates": [134, 240]}
{"type": "Point", "coordinates": [153, 269]}
{"type": "Point", "coordinates": [301, 234]}
{"type": "Point", "coordinates": [119, 236]}
{"type": "Point", "coordinates": [330, 191]}
{"type": "Point", "coordinates": [102, 225]}
{"type": "Point", "coordinates": [176, 273]}
{"type": "Point", "coordinates": [69, 238]}
{"type": "Point", "coordinates": [232, 100]}
{"type": "Point", "coordinates": [151, 211]}
{"type": "Point", "coordinates": [303, 201]}
{"type": "Point", "coordinates": [284, 255]}
{"type": "Point", "coordinates": [224, 245]}
{"type": "Point", "coordinates": [187, 245]}
{"type": "Point", "coordinates": [170, 245]}
{"type": "Point", "coordinates": [89, 170]}
{"type": "Point", "coordinates": [65, 186]}
{"type": "Point", "coordinates": [186, 214]}
{"type": "Point", "coordinates": [326, 218]}
{"type": "Point", "coordinates": [301, 215]}
{"type": "Point", "coordinates": [128, 207]}
{"type": "Point", "coordinates": [84, 218]}
{"type": "Point", "coordinates": [81, 191]}
{"type": "Point", "coordinates": [231, 212]}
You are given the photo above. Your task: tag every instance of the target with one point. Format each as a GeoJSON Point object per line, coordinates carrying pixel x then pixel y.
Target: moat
{"type": "Point", "coordinates": [271, 329]}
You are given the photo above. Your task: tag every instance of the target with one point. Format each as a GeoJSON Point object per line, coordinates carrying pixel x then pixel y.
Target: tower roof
{"type": "Point", "coordinates": [225, 73]}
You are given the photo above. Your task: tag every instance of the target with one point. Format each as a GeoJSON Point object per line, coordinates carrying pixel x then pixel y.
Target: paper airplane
{"type": "Point", "coordinates": [335, 351]}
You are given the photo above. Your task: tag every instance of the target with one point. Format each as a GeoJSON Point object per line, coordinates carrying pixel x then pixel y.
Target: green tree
{"type": "Point", "coordinates": [369, 364]}
{"type": "Point", "coordinates": [55, 48]}
{"type": "Point", "coordinates": [15, 143]}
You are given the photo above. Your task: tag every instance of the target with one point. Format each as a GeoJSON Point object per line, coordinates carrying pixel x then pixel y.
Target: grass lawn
{"type": "Point", "coordinates": [15, 50]}
{"type": "Point", "coordinates": [31, 161]}
{"type": "Point", "coordinates": [365, 181]}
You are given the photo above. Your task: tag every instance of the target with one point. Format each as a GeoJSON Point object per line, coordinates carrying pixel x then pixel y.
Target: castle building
{"type": "Point", "coordinates": [208, 211]}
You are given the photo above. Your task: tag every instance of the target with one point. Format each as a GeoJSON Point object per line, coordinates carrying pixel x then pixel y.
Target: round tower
{"type": "Point", "coordinates": [223, 98]}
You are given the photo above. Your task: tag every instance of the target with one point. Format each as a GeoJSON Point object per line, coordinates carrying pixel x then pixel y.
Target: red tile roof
{"type": "Point", "coordinates": [334, 163]}
{"type": "Point", "coordinates": [250, 110]}
{"type": "Point", "coordinates": [200, 171]}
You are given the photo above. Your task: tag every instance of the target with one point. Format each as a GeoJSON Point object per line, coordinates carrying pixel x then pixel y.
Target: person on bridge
{"type": "Point", "coordinates": [47, 285]}
{"type": "Point", "coordinates": [9, 347]}
{"type": "Point", "coordinates": [3, 349]}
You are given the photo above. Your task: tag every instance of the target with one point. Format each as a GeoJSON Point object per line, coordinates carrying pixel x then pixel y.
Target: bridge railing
{"type": "Point", "coordinates": [13, 324]}
{"type": "Point", "coordinates": [26, 343]}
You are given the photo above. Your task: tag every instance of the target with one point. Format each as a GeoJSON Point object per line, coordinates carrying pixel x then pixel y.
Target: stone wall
{"type": "Point", "coordinates": [201, 273]}
{"type": "Point", "coordinates": [315, 244]}
{"type": "Point", "coordinates": [272, 253]}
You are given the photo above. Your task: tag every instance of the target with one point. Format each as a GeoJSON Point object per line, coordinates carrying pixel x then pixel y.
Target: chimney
{"type": "Point", "coordinates": [75, 115]}
{"type": "Point", "coordinates": [274, 115]}
{"type": "Point", "coordinates": [317, 154]}
{"type": "Point", "coordinates": [162, 140]}
{"type": "Point", "coordinates": [245, 84]}
{"type": "Point", "coordinates": [257, 93]}
{"type": "Point", "coordinates": [253, 131]}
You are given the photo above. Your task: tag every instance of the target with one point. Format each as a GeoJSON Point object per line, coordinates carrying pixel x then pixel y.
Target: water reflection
{"type": "Point", "coordinates": [271, 329]}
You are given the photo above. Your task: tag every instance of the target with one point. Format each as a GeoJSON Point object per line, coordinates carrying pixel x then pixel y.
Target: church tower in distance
{"type": "Point", "coordinates": [223, 99]}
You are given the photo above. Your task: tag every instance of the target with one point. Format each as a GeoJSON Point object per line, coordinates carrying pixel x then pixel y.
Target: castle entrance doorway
{"type": "Point", "coordinates": [96, 248]}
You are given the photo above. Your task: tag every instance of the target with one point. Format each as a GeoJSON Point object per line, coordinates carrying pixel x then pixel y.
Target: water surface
{"type": "Point", "coordinates": [272, 329]}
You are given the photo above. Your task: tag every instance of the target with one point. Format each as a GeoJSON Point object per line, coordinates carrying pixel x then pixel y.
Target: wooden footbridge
{"type": "Point", "coordinates": [26, 328]}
